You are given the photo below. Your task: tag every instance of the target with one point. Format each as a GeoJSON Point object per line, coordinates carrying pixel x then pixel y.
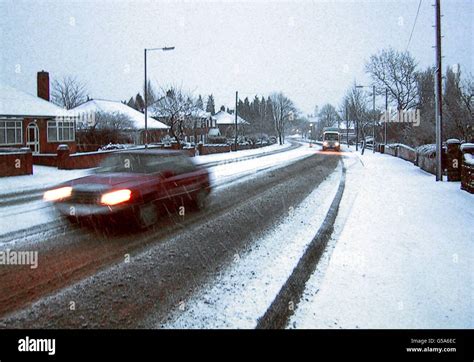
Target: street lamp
{"type": "Point", "coordinates": [146, 91]}
{"type": "Point", "coordinates": [373, 109]}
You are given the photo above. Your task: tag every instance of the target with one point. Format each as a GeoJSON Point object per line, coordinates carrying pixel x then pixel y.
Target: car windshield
{"type": "Point", "coordinates": [331, 137]}
{"type": "Point", "coordinates": [135, 163]}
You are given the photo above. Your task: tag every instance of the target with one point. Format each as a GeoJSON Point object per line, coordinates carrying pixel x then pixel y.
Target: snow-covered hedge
{"type": "Point", "coordinates": [467, 148]}
{"type": "Point", "coordinates": [428, 150]}
{"type": "Point", "coordinates": [400, 145]}
{"type": "Point", "coordinates": [469, 159]}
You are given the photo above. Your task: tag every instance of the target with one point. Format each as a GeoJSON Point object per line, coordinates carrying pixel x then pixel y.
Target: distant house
{"type": "Point", "coordinates": [88, 113]}
{"type": "Point", "coordinates": [226, 123]}
{"type": "Point", "coordinates": [32, 121]}
{"type": "Point", "coordinates": [347, 133]}
{"type": "Point", "coordinates": [202, 125]}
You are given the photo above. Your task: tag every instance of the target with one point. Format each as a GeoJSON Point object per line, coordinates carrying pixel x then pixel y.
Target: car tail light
{"type": "Point", "coordinates": [57, 194]}
{"type": "Point", "coordinates": [116, 197]}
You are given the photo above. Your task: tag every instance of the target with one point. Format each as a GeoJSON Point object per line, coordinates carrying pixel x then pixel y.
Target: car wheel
{"type": "Point", "coordinates": [147, 215]}
{"type": "Point", "coordinates": [201, 200]}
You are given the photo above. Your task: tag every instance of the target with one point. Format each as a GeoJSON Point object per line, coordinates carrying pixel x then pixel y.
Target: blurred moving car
{"type": "Point", "coordinates": [134, 185]}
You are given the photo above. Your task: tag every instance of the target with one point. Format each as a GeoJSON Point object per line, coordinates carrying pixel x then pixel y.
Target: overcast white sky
{"type": "Point", "coordinates": [312, 51]}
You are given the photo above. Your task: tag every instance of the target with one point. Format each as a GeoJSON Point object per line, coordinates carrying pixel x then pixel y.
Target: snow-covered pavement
{"type": "Point", "coordinates": [401, 255]}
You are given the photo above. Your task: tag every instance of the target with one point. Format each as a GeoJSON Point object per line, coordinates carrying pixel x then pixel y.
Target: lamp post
{"type": "Point", "coordinates": [236, 119]}
{"type": "Point", "coordinates": [386, 120]}
{"type": "Point", "coordinates": [373, 111]}
{"type": "Point", "coordinates": [347, 123]}
{"type": "Point", "coordinates": [146, 92]}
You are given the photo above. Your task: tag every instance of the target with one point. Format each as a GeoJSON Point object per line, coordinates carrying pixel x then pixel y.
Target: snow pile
{"type": "Point", "coordinates": [403, 257]}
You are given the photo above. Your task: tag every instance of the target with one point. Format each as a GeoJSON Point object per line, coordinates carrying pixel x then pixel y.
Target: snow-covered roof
{"type": "Point", "coordinates": [16, 103]}
{"type": "Point", "coordinates": [199, 113]}
{"type": "Point", "coordinates": [222, 117]}
{"type": "Point", "coordinates": [113, 107]}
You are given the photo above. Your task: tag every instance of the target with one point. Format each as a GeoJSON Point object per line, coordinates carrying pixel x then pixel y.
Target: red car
{"type": "Point", "coordinates": [134, 185]}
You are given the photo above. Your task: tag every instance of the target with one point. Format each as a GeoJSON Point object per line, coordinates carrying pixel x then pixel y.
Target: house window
{"type": "Point", "coordinates": [60, 131]}
{"type": "Point", "coordinates": [11, 133]}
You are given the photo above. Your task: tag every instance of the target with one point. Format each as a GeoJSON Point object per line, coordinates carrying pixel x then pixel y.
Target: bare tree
{"type": "Point", "coordinates": [176, 108]}
{"type": "Point", "coordinates": [68, 92]}
{"type": "Point", "coordinates": [356, 101]}
{"type": "Point", "coordinates": [458, 102]}
{"type": "Point", "coordinates": [329, 116]}
{"type": "Point", "coordinates": [467, 98]}
{"type": "Point", "coordinates": [425, 132]}
{"type": "Point", "coordinates": [283, 110]}
{"type": "Point", "coordinates": [395, 71]}
{"type": "Point", "coordinates": [115, 121]}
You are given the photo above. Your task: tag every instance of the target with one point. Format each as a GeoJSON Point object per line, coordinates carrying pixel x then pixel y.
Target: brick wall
{"type": "Point", "coordinates": [211, 149]}
{"type": "Point", "coordinates": [407, 153]}
{"type": "Point", "coordinates": [15, 162]}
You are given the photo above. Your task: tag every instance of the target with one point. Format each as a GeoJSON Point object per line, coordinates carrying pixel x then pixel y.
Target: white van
{"type": "Point", "coordinates": [331, 140]}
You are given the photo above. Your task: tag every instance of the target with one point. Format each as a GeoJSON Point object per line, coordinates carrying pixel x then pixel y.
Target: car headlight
{"type": "Point", "coordinates": [325, 143]}
{"type": "Point", "coordinates": [58, 194]}
{"type": "Point", "coordinates": [116, 197]}
{"type": "Point", "coordinates": [337, 144]}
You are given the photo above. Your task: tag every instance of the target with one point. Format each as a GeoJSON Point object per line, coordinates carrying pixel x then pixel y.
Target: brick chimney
{"type": "Point", "coordinates": [43, 85]}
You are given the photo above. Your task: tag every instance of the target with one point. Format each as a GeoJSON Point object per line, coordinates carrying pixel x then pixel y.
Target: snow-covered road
{"type": "Point", "coordinates": [14, 218]}
{"type": "Point", "coordinates": [401, 255]}
{"type": "Point", "coordinates": [243, 292]}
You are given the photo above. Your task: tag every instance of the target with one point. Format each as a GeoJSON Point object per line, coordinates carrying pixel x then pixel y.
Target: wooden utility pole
{"type": "Point", "coordinates": [438, 95]}
{"type": "Point", "coordinates": [236, 125]}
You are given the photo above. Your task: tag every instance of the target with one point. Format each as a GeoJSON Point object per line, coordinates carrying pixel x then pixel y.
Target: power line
{"type": "Point", "coordinates": [414, 23]}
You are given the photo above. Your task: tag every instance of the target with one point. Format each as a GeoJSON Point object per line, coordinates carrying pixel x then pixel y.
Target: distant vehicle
{"type": "Point", "coordinates": [188, 145]}
{"type": "Point", "coordinates": [111, 146]}
{"type": "Point", "coordinates": [331, 139]}
{"type": "Point", "coordinates": [134, 185]}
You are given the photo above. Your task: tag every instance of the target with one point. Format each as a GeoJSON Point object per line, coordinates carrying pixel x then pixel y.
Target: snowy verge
{"type": "Point", "coordinates": [244, 290]}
